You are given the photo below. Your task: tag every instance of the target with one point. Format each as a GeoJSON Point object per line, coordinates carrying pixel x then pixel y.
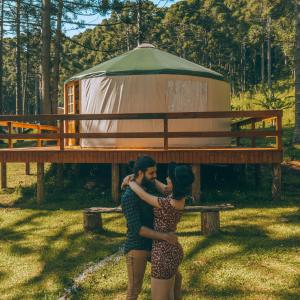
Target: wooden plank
{"type": "Point", "coordinates": [187, 209]}
{"type": "Point", "coordinates": [134, 116]}
{"type": "Point", "coordinates": [248, 133]}
{"type": "Point", "coordinates": [228, 156]}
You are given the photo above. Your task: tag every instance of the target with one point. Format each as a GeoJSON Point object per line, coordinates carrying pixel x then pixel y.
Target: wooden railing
{"type": "Point", "coordinates": [252, 117]}
{"type": "Point", "coordinates": [38, 127]}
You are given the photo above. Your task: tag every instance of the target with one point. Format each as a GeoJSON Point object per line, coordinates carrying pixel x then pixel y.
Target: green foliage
{"type": "Point", "coordinates": [224, 35]}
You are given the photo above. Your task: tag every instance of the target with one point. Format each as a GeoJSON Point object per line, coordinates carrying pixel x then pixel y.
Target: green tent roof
{"type": "Point", "coordinates": [144, 60]}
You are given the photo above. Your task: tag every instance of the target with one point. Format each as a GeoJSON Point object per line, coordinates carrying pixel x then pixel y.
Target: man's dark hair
{"type": "Point", "coordinates": [142, 164]}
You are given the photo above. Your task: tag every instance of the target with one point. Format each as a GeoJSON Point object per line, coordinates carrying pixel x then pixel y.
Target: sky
{"type": "Point", "coordinates": [71, 30]}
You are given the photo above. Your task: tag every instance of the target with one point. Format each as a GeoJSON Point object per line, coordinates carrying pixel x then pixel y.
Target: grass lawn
{"type": "Point", "coordinates": [257, 255]}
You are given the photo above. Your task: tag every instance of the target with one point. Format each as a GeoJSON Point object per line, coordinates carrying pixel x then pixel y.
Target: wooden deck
{"type": "Point", "coordinates": [122, 156]}
{"type": "Point", "coordinates": [247, 125]}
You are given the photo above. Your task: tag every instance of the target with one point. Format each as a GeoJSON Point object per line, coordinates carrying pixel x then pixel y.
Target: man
{"type": "Point", "coordinates": [140, 233]}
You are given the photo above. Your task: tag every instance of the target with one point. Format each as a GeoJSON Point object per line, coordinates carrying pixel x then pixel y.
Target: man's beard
{"type": "Point", "coordinates": [146, 183]}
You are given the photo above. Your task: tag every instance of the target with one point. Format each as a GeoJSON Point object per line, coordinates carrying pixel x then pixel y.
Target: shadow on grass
{"type": "Point", "coordinates": [251, 240]}
{"type": "Point", "coordinates": [62, 254]}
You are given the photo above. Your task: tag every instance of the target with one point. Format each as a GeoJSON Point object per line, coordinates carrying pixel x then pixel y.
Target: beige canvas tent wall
{"type": "Point", "coordinates": [149, 80]}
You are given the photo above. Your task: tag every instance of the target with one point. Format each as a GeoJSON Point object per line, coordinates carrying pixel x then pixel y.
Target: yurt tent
{"type": "Point", "coordinates": [147, 80]}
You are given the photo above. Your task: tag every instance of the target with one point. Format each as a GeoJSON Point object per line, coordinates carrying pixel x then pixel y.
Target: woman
{"type": "Point", "coordinates": [166, 258]}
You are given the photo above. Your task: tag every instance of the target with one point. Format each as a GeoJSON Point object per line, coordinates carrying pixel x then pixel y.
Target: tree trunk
{"type": "Point", "coordinates": [297, 77]}
{"type": "Point", "coordinates": [139, 21]}
{"type": "Point", "coordinates": [19, 103]}
{"type": "Point", "coordinates": [1, 57]}
{"type": "Point", "coordinates": [45, 57]}
{"type": "Point", "coordinates": [56, 64]}
{"type": "Point", "coordinates": [269, 54]}
{"type": "Point", "coordinates": [262, 65]}
{"type": "Point", "coordinates": [27, 58]}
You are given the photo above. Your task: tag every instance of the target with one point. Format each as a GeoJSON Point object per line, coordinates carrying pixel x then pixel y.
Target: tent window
{"type": "Point", "coordinates": [70, 99]}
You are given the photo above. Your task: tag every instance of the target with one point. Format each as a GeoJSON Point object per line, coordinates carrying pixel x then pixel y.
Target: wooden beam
{"type": "Point", "coordinates": [27, 168]}
{"type": "Point", "coordinates": [257, 175]}
{"type": "Point", "coordinates": [40, 192]}
{"type": "Point", "coordinates": [60, 175]}
{"type": "Point", "coordinates": [138, 116]}
{"type": "Point", "coordinates": [3, 175]}
{"type": "Point", "coordinates": [276, 182]}
{"type": "Point", "coordinates": [196, 189]}
{"type": "Point", "coordinates": [115, 182]}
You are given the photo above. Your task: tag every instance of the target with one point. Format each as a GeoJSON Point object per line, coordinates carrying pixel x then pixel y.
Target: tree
{"type": "Point", "coordinates": [297, 76]}
{"type": "Point", "coordinates": [1, 55]}
{"type": "Point", "coordinates": [19, 104]}
{"type": "Point", "coordinates": [57, 55]}
{"type": "Point", "coordinates": [45, 57]}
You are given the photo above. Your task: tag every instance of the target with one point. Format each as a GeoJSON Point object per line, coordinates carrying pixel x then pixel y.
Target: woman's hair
{"type": "Point", "coordinates": [141, 164]}
{"type": "Point", "coordinates": [182, 178]}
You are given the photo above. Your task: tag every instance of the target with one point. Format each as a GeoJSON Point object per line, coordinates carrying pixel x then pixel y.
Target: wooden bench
{"type": "Point", "coordinates": [210, 217]}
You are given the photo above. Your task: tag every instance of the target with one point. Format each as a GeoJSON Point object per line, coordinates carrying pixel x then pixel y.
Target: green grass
{"type": "Point", "coordinates": [257, 255]}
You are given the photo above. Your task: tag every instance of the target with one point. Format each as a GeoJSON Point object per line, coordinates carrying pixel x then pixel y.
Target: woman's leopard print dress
{"type": "Point", "coordinates": [165, 258]}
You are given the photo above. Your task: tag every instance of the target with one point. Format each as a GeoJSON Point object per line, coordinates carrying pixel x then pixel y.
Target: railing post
{"type": "Point", "coordinates": [166, 144]}
{"type": "Point", "coordinates": [10, 127]}
{"type": "Point", "coordinates": [253, 138]}
{"type": "Point", "coordinates": [279, 134]}
{"type": "Point", "coordinates": [238, 139]}
{"type": "Point", "coordinates": [61, 133]}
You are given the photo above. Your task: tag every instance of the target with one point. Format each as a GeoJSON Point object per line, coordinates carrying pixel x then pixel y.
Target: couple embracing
{"type": "Point", "coordinates": [152, 211]}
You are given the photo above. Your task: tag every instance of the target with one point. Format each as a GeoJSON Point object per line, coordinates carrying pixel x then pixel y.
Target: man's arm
{"type": "Point", "coordinates": [169, 237]}
{"type": "Point", "coordinates": [132, 215]}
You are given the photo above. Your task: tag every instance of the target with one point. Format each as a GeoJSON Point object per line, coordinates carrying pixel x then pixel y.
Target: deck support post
{"type": "Point", "coordinates": [40, 193]}
{"type": "Point", "coordinates": [115, 182]}
{"type": "Point", "coordinates": [196, 189]}
{"type": "Point", "coordinates": [257, 174]}
{"type": "Point", "coordinates": [276, 181]}
{"type": "Point", "coordinates": [27, 168]}
{"type": "Point", "coordinates": [3, 175]}
{"type": "Point", "coordinates": [210, 222]}
{"type": "Point", "coordinates": [60, 175]}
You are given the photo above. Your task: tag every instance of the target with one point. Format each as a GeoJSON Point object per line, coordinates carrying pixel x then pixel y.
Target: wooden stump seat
{"type": "Point", "coordinates": [210, 217]}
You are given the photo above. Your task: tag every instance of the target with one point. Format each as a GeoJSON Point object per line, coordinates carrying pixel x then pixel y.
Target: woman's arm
{"type": "Point", "coordinates": [164, 188]}
{"type": "Point", "coordinates": [150, 199]}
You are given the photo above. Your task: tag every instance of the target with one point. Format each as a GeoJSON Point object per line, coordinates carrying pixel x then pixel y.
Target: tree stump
{"type": "Point", "coordinates": [210, 222]}
{"type": "Point", "coordinates": [92, 221]}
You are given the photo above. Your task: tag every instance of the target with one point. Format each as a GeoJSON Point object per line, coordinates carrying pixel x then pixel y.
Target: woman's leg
{"type": "Point", "coordinates": [161, 288]}
{"type": "Point", "coordinates": [177, 286]}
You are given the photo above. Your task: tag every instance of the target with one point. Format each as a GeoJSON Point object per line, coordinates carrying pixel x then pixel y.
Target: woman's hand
{"type": "Point", "coordinates": [126, 181]}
